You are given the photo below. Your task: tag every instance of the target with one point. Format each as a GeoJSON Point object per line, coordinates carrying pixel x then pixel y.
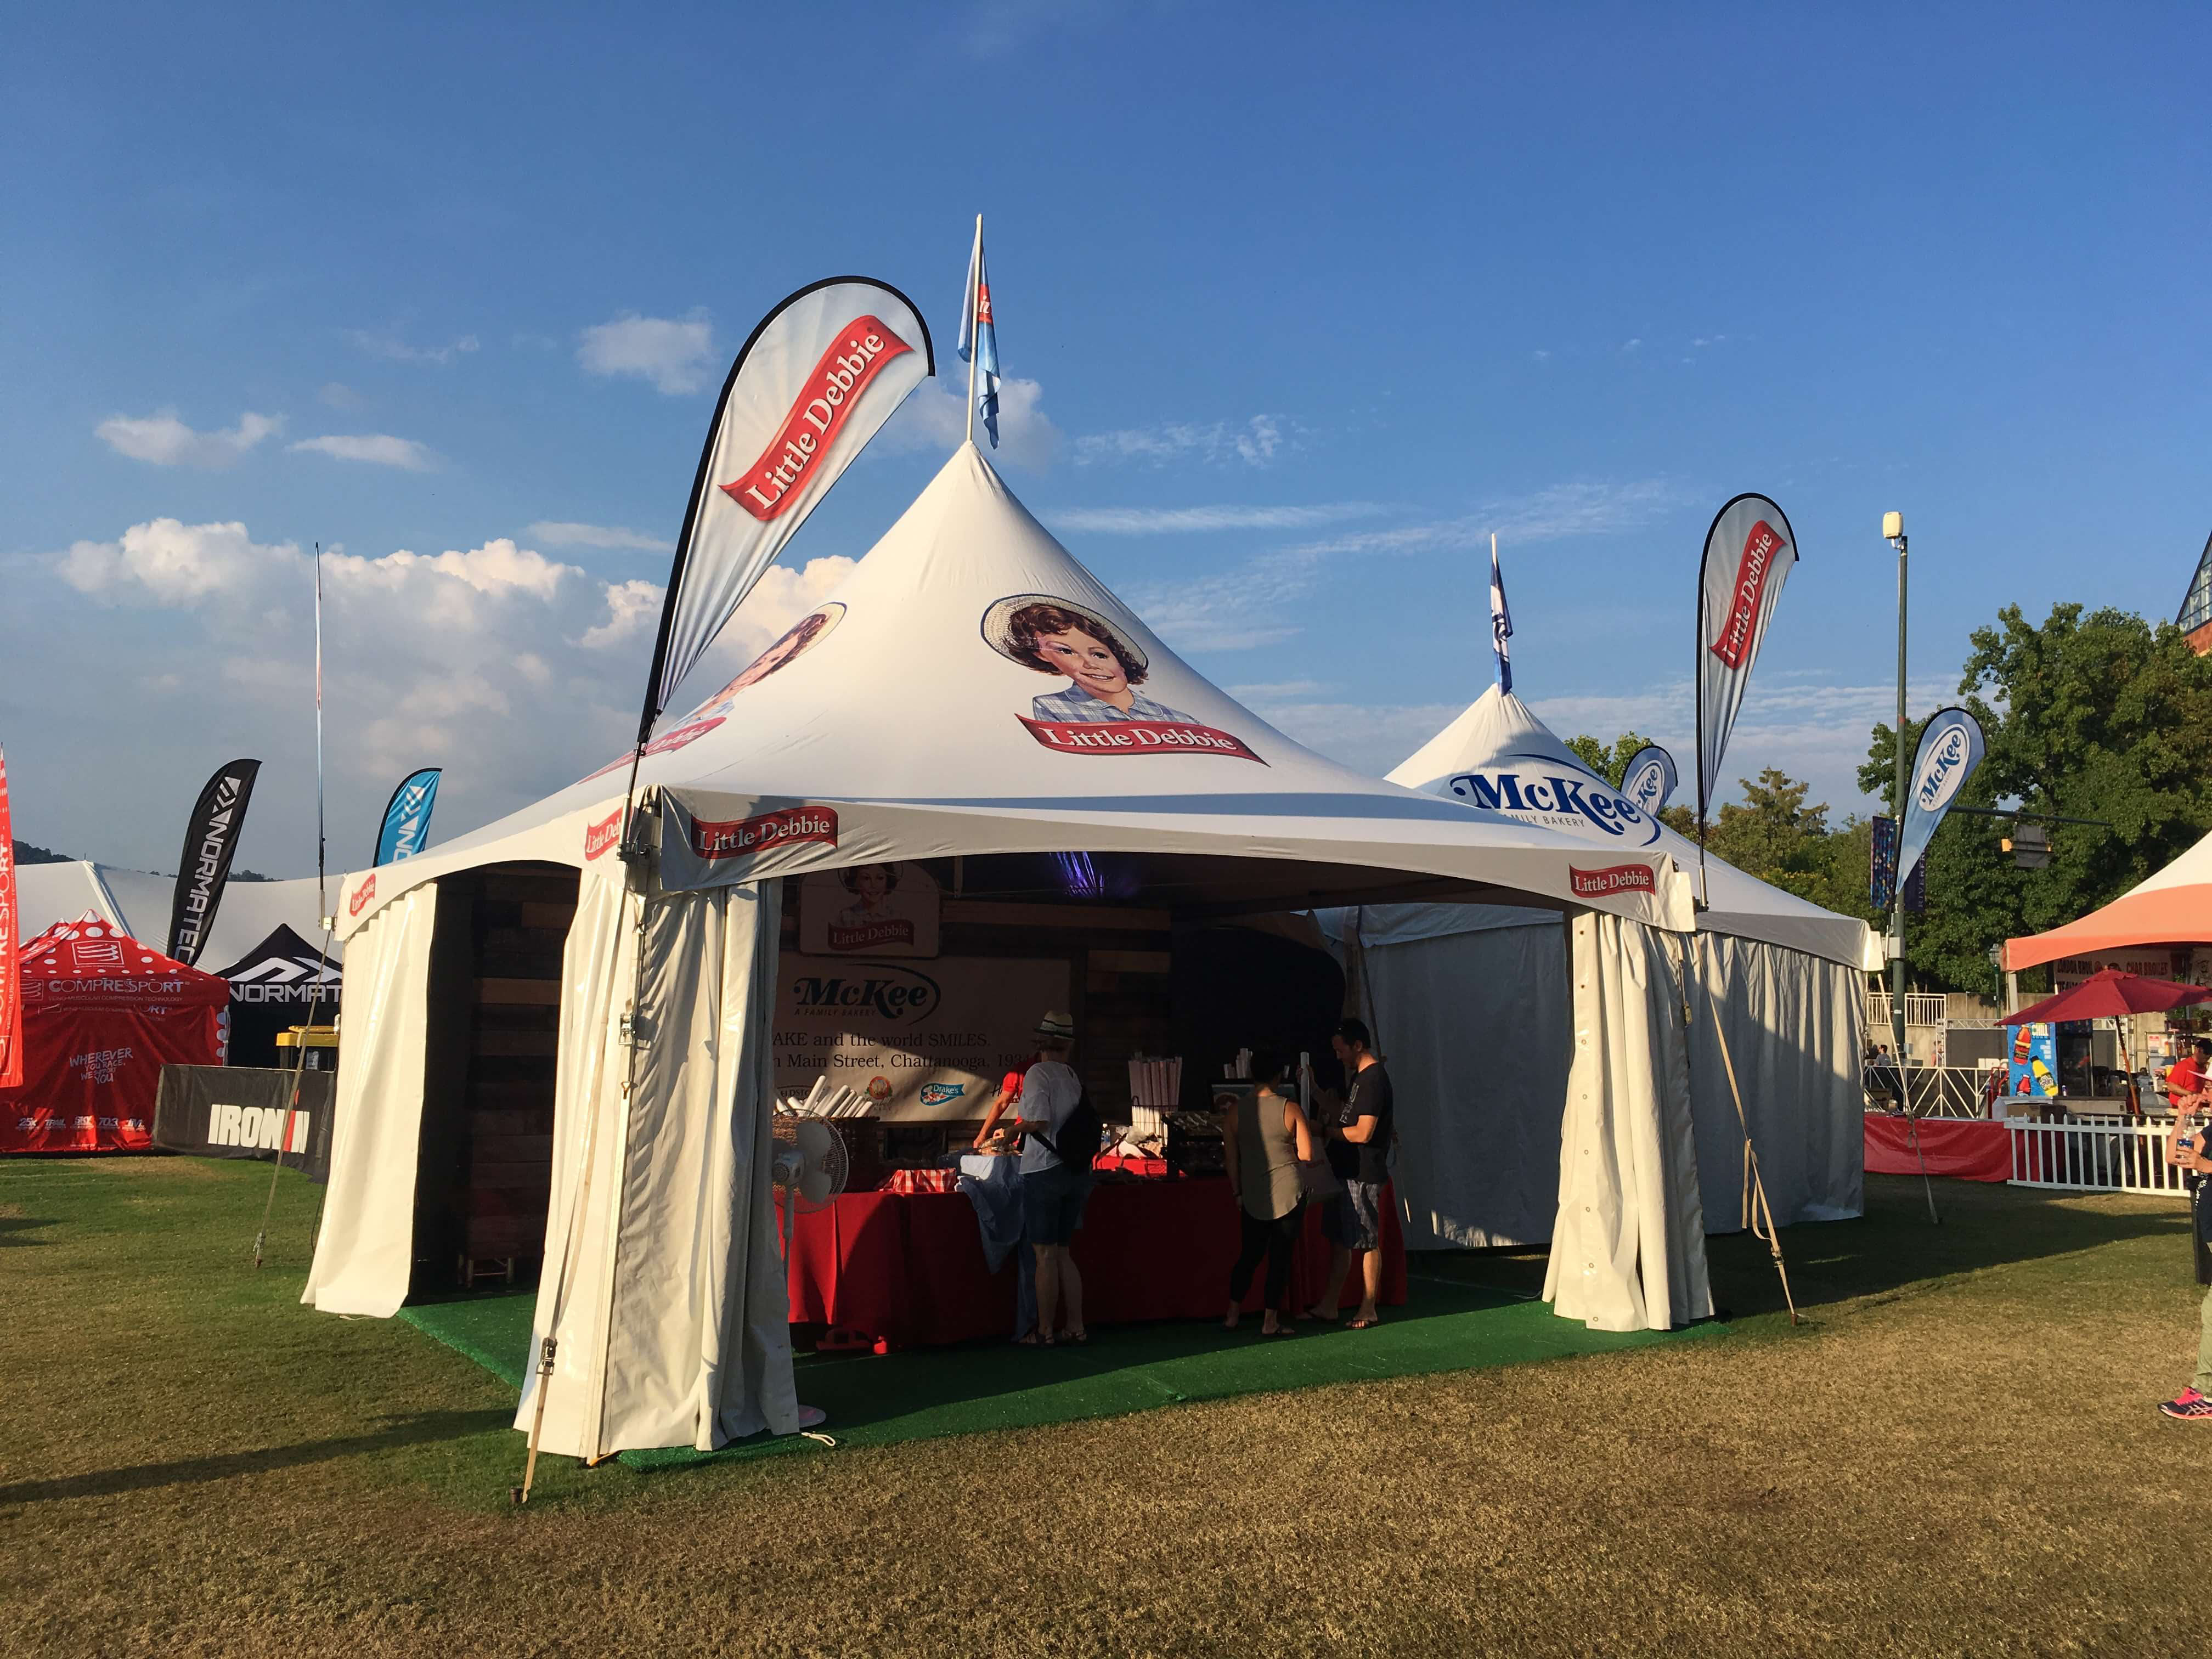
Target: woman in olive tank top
{"type": "Point", "coordinates": [1267, 1139]}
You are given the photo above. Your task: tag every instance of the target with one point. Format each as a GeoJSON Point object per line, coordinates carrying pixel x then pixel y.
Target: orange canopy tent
{"type": "Point", "coordinates": [2172, 909]}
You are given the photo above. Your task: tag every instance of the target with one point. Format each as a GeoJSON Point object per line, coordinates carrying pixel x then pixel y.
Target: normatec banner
{"type": "Point", "coordinates": [203, 867]}
{"type": "Point", "coordinates": [1748, 554]}
{"type": "Point", "coordinates": [819, 377]}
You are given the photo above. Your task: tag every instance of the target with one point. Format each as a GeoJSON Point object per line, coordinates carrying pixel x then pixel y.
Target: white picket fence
{"type": "Point", "coordinates": [2109, 1157]}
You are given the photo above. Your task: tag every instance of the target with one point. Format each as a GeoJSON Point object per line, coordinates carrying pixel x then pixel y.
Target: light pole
{"type": "Point", "coordinates": [1893, 530]}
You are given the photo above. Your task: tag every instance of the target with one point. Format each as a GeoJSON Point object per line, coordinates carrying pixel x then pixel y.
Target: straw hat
{"type": "Point", "coordinates": [1061, 1026]}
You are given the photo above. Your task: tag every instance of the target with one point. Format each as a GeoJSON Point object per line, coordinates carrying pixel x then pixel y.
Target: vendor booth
{"type": "Point", "coordinates": [139, 903]}
{"type": "Point", "coordinates": [281, 983]}
{"type": "Point", "coordinates": [1781, 976]}
{"type": "Point", "coordinates": [976, 788]}
{"type": "Point", "coordinates": [103, 1014]}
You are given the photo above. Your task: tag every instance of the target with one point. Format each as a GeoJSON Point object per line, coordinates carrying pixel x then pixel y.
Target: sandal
{"type": "Point", "coordinates": [1080, 1338]}
{"type": "Point", "coordinates": [1363, 1324]}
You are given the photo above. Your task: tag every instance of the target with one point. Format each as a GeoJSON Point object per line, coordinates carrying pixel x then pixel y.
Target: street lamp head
{"type": "Point", "coordinates": [1893, 526]}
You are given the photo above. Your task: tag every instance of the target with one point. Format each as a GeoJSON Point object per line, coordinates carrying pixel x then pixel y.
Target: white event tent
{"type": "Point", "coordinates": [921, 717]}
{"type": "Point", "coordinates": [138, 902]}
{"type": "Point", "coordinates": [1783, 976]}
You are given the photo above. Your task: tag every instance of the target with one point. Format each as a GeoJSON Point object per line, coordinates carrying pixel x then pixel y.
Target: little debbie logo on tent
{"type": "Point", "coordinates": [737, 838]}
{"type": "Point", "coordinates": [1613, 879]}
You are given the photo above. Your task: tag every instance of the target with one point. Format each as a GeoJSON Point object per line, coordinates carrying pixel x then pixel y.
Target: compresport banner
{"type": "Point", "coordinates": [203, 867]}
{"type": "Point", "coordinates": [11, 979]}
{"type": "Point", "coordinates": [1748, 554]}
{"type": "Point", "coordinates": [407, 816]}
{"type": "Point", "coordinates": [1649, 778]}
{"type": "Point", "coordinates": [819, 377]}
{"type": "Point", "coordinates": [1950, 749]}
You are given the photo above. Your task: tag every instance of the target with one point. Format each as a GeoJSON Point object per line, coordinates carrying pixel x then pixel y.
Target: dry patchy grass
{"type": "Point", "coordinates": [1957, 1455]}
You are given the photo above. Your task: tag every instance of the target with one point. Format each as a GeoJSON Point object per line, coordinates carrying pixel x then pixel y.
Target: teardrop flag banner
{"type": "Point", "coordinates": [1950, 749]}
{"type": "Point", "coordinates": [407, 816]}
{"type": "Point", "coordinates": [1649, 778]}
{"type": "Point", "coordinates": [1748, 554]}
{"type": "Point", "coordinates": [203, 867]}
{"type": "Point", "coordinates": [819, 377]}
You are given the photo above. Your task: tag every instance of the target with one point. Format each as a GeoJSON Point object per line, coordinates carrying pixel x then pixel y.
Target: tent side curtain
{"type": "Point", "coordinates": [673, 1329]}
{"type": "Point", "coordinates": [1628, 1247]}
{"type": "Point", "coordinates": [365, 1250]}
{"type": "Point", "coordinates": [1796, 1026]}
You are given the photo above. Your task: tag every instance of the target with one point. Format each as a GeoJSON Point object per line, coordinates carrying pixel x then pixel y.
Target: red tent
{"type": "Point", "coordinates": [103, 1014]}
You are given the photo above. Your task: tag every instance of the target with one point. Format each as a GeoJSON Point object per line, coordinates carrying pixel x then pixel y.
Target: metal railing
{"type": "Point", "coordinates": [1920, 1008]}
{"type": "Point", "coordinates": [1930, 1090]}
{"type": "Point", "coordinates": [2119, 1157]}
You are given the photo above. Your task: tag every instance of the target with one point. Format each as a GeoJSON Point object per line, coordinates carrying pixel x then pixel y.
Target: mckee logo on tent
{"type": "Point", "coordinates": [1758, 550]}
{"type": "Point", "coordinates": [1612, 879]}
{"type": "Point", "coordinates": [900, 996]}
{"type": "Point", "coordinates": [1556, 799]}
{"type": "Point", "coordinates": [775, 482]}
{"type": "Point", "coordinates": [361, 895]}
{"type": "Point", "coordinates": [737, 838]}
{"type": "Point", "coordinates": [600, 838]}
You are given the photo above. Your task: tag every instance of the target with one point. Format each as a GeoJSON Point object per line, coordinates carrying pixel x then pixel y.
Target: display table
{"type": "Point", "coordinates": [1968, 1148]}
{"type": "Point", "coordinates": [907, 1269]}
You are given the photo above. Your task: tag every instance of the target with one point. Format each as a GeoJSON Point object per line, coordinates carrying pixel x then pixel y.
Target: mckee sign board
{"type": "Point", "coordinates": [919, 1040]}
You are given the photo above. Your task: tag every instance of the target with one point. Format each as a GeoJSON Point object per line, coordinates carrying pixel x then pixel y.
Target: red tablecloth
{"type": "Point", "coordinates": [1971, 1148]}
{"type": "Point", "coordinates": [908, 1268]}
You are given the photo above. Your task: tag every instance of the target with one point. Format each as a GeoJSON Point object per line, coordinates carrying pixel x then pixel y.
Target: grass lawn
{"type": "Point", "coordinates": [1957, 1452]}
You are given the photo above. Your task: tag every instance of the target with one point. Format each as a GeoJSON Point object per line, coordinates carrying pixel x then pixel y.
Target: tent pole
{"type": "Point", "coordinates": [1913, 1135]}
{"type": "Point", "coordinates": [1757, 1214]}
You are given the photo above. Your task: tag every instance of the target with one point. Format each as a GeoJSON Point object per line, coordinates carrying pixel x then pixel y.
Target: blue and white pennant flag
{"type": "Point", "coordinates": [1501, 621]}
{"type": "Point", "coordinates": [979, 338]}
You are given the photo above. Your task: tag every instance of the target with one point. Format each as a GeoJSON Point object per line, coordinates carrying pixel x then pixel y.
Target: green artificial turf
{"type": "Point", "coordinates": [877, 1399]}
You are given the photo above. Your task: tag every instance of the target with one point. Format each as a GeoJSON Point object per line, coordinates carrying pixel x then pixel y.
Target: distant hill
{"type": "Point", "coordinates": [26, 853]}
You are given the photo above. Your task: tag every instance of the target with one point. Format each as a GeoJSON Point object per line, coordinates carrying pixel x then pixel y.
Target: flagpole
{"type": "Point", "coordinates": [975, 321]}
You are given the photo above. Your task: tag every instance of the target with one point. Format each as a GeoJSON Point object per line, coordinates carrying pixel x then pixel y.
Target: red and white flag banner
{"type": "Point", "coordinates": [819, 377]}
{"type": "Point", "coordinates": [1748, 554]}
{"type": "Point", "coordinates": [11, 973]}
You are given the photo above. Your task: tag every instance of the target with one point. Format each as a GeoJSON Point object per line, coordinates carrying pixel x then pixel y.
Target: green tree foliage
{"type": "Point", "coordinates": [2100, 715]}
{"type": "Point", "coordinates": [1608, 763]}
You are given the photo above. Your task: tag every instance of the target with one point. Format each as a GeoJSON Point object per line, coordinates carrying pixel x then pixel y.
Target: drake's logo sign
{"type": "Point", "coordinates": [737, 838]}
{"type": "Point", "coordinates": [775, 482]}
{"type": "Point", "coordinates": [1613, 879]}
{"type": "Point", "coordinates": [361, 895]}
{"type": "Point", "coordinates": [1559, 800]}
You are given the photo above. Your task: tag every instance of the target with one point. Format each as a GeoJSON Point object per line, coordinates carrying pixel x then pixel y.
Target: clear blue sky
{"type": "Point", "coordinates": [1364, 282]}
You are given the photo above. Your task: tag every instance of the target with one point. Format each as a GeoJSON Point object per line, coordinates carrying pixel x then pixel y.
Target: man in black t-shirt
{"type": "Point", "coordinates": [1358, 1144]}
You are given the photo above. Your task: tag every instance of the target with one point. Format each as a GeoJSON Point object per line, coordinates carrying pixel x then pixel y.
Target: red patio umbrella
{"type": "Point", "coordinates": [2109, 995]}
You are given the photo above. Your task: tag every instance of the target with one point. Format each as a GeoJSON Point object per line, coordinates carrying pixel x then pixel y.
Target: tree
{"type": "Point", "coordinates": [1776, 835]}
{"type": "Point", "coordinates": [2097, 716]}
{"type": "Point", "coordinates": [1608, 764]}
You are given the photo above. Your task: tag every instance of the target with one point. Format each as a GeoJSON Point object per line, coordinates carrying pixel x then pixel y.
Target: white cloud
{"type": "Point", "coordinates": [561, 533]}
{"type": "Point", "coordinates": [633, 607]}
{"type": "Point", "coordinates": [392, 347]}
{"type": "Point", "coordinates": [1178, 521]}
{"type": "Point", "coordinates": [166, 441]}
{"type": "Point", "coordinates": [1255, 443]}
{"type": "Point", "coordinates": [992, 29]}
{"type": "Point", "coordinates": [673, 353]}
{"type": "Point", "coordinates": [935, 418]}
{"type": "Point", "coordinates": [376, 448]}
{"type": "Point", "coordinates": [170, 563]}
{"type": "Point", "coordinates": [1550, 514]}
{"type": "Point", "coordinates": [337, 396]}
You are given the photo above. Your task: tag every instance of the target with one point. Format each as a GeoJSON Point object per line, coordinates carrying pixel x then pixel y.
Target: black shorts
{"type": "Point", "coordinates": [1352, 1219]}
{"type": "Point", "coordinates": [1052, 1203]}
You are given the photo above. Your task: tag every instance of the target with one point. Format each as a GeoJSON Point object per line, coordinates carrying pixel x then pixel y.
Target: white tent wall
{"type": "Point", "coordinates": [1628, 1247]}
{"type": "Point", "coordinates": [1478, 1029]}
{"type": "Point", "coordinates": [139, 903]}
{"type": "Point", "coordinates": [1480, 1140]}
{"type": "Point", "coordinates": [1795, 1025]}
{"type": "Point", "coordinates": [674, 1327]}
{"type": "Point", "coordinates": [364, 1249]}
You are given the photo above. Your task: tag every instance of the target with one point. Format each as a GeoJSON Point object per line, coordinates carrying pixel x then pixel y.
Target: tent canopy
{"type": "Point", "coordinates": [1498, 757]}
{"type": "Point", "coordinates": [972, 690]}
{"type": "Point", "coordinates": [138, 902]}
{"type": "Point", "coordinates": [2172, 908]}
{"type": "Point", "coordinates": [90, 963]}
